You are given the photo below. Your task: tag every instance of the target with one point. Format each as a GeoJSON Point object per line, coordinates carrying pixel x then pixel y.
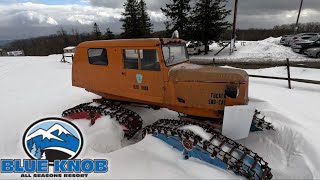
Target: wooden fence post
{"type": "Point", "coordinates": [63, 60]}
{"type": "Point", "coordinates": [288, 70]}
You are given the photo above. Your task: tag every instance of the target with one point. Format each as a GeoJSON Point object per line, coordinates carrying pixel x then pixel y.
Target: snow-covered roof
{"type": "Point", "coordinates": [15, 52]}
{"type": "Point", "coordinates": [69, 48]}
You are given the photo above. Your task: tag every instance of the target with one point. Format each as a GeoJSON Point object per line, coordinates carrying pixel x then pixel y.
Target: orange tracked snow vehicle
{"type": "Point", "coordinates": [157, 73]}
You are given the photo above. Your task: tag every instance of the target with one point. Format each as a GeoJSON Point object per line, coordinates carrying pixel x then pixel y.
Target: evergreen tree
{"type": "Point", "coordinates": [38, 153]}
{"type": "Point", "coordinates": [130, 19]}
{"type": "Point", "coordinates": [178, 17]}
{"type": "Point", "coordinates": [34, 149]}
{"type": "Point", "coordinates": [109, 34]}
{"type": "Point", "coordinates": [44, 156]}
{"type": "Point", "coordinates": [96, 32]}
{"type": "Point", "coordinates": [146, 25]}
{"type": "Point", "coordinates": [209, 20]}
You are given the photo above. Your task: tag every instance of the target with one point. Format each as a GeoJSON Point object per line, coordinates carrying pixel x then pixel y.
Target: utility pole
{"type": "Point", "coordinates": [297, 23]}
{"type": "Point", "coordinates": [234, 35]}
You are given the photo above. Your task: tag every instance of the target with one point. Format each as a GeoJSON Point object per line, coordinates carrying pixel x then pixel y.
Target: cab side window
{"type": "Point", "coordinates": [149, 60]}
{"type": "Point", "coordinates": [131, 59]}
{"type": "Point", "coordinates": [98, 56]}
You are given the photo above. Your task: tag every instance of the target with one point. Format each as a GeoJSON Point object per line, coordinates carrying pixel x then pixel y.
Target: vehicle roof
{"type": "Point", "coordinates": [69, 48]}
{"type": "Point", "coordinates": [306, 34]}
{"type": "Point", "coordinates": [150, 42]}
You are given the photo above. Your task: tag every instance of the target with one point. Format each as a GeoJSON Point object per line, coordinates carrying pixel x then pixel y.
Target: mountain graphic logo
{"type": "Point", "coordinates": [52, 139]}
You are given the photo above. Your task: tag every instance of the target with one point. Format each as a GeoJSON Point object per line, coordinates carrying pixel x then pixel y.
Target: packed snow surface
{"type": "Point", "coordinates": [38, 87]}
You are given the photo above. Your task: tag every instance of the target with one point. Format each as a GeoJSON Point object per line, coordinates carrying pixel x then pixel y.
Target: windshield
{"type": "Point", "coordinates": [190, 46]}
{"type": "Point", "coordinates": [174, 54]}
{"type": "Point", "coordinates": [315, 38]}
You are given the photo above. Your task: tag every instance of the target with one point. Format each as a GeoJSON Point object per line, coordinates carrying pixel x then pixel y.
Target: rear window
{"type": "Point", "coordinates": [98, 56]}
{"type": "Point", "coordinates": [306, 37]}
{"type": "Point", "coordinates": [311, 34]}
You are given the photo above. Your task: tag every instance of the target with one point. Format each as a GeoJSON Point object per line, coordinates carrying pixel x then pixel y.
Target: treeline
{"type": "Point", "coordinates": [54, 44]}
{"type": "Point", "coordinates": [280, 30]}
{"type": "Point", "coordinates": [303, 27]}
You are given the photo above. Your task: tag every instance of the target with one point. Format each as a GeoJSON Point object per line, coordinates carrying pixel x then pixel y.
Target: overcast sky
{"type": "Point", "coordinates": [26, 18]}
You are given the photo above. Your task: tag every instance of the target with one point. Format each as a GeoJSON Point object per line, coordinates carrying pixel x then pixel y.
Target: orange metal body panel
{"type": "Point", "coordinates": [185, 88]}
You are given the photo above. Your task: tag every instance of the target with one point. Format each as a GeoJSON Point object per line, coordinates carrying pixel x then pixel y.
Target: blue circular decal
{"type": "Point", "coordinates": [52, 139]}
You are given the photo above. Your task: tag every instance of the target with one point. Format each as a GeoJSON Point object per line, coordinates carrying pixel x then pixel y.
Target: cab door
{"type": "Point", "coordinates": [142, 73]}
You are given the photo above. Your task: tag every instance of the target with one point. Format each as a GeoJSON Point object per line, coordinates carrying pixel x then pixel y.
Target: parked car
{"type": "Point", "coordinates": [313, 52]}
{"type": "Point", "coordinates": [15, 53]}
{"type": "Point", "coordinates": [195, 47]}
{"type": "Point", "coordinates": [284, 39]}
{"type": "Point", "coordinates": [287, 40]}
{"type": "Point", "coordinates": [300, 37]}
{"type": "Point", "coordinates": [301, 46]}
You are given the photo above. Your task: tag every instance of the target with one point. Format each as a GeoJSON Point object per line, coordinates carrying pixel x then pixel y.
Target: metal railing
{"type": "Point", "coordinates": [288, 64]}
{"type": "Point", "coordinates": [289, 79]}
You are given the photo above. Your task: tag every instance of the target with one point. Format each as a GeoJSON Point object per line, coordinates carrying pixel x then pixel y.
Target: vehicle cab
{"type": "Point", "coordinates": [130, 69]}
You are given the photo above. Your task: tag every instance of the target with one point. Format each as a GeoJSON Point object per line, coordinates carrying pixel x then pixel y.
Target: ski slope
{"type": "Point", "coordinates": [37, 87]}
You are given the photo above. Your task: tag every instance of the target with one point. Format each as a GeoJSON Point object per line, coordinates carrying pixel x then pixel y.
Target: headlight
{"type": "Point", "coordinates": [232, 90]}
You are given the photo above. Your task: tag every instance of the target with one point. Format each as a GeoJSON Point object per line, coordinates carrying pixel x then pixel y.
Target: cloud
{"type": "Point", "coordinates": [254, 7]}
{"type": "Point", "coordinates": [268, 13]}
{"type": "Point", "coordinates": [31, 18]}
{"type": "Point", "coordinates": [107, 3]}
{"type": "Point", "coordinates": [36, 18]}
{"type": "Point", "coordinates": [153, 5]}
{"type": "Point", "coordinates": [30, 15]}
{"type": "Point", "coordinates": [62, 14]}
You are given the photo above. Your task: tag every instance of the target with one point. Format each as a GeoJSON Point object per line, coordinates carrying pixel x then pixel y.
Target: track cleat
{"type": "Point", "coordinates": [129, 120]}
{"type": "Point", "coordinates": [259, 123]}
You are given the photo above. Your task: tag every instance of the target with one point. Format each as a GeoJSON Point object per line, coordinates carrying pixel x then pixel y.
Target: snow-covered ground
{"type": "Point", "coordinates": [254, 51]}
{"type": "Point", "coordinates": [32, 88]}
